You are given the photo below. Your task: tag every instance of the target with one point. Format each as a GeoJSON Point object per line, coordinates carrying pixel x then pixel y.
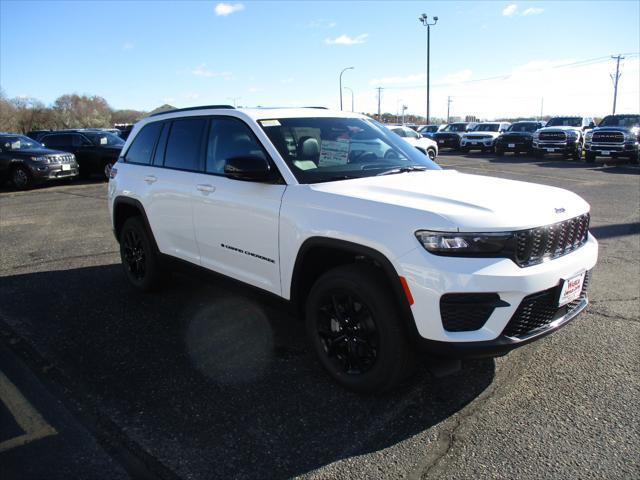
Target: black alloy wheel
{"type": "Point", "coordinates": [347, 331]}
{"type": "Point", "coordinates": [139, 257]}
{"type": "Point", "coordinates": [21, 178]}
{"type": "Point", "coordinates": [134, 254]}
{"type": "Point", "coordinates": [356, 330]}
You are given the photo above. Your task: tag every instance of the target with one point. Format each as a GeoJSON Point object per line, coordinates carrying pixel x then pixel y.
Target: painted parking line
{"type": "Point", "coordinates": [30, 421]}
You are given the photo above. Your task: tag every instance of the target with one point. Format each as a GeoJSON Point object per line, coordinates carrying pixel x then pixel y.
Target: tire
{"type": "Point", "coordinates": [590, 157]}
{"type": "Point", "coordinates": [106, 169]}
{"type": "Point", "coordinates": [538, 153]}
{"type": "Point", "coordinates": [577, 154]}
{"type": "Point", "coordinates": [139, 257]}
{"type": "Point", "coordinates": [431, 153]}
{"type": "Point", "coordinates": [371, 354]}
{"type": "Point", "coordinates": [499, 152]}
{"type": "Point", "coordinates": [463, 149]}
{"type": "Point", "coordinates": [21, 177]}
{"type": "Point", "coordinates": [635, 158]}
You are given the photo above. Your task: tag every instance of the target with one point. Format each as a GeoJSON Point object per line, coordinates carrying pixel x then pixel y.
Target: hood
{"type": "Point", "coordinates": [560, 129]}
{"type": "Point", "coordinates": [37, 152]}
{"type": "Point", "coordinates": [490, 134]}
{"type": "Point", "coordinates": [617, 129]}
{"type": "Point", "coordinates": [453, 201]}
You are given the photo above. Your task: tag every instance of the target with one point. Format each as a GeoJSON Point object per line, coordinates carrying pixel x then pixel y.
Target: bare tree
{"type": "Point", "coordinates": [82, 111]}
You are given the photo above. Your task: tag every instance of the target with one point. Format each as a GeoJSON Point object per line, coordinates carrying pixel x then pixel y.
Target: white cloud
{"type": "Point", "coordinates": [532, 11]}
{"type": "Point", "coordinates": [202, 71]}
{"type": "Point", "coordinates": [224, 9]}
{"type": "Point", "coordinates": [347, 40]}
{"type": "Point", "coordinates": [510, 10]}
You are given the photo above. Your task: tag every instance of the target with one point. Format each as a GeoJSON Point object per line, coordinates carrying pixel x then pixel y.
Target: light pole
{"type": "Point", "coordinates": [347, 88]}
{"type": "Point", "coordinates": [343, 70]}
{"type": "Point", "coordinates": [424, 20]}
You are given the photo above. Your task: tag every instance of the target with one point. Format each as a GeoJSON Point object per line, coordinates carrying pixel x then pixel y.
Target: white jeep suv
{"type": "Point", "coordinates": [483, 136]}
{"type": "Point", "coordinates": [417, 140]}
{"type": "Point", "coordinates": [384, 253]}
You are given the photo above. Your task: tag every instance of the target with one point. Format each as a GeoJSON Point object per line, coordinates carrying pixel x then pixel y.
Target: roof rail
{"type": "Point", "coordinates": [188, 109]}
{"type": "Point", "coordinates": [318, 108]}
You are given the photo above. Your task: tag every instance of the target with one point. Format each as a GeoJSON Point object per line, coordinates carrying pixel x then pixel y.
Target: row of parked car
{"type": "Point", "coordinates": [46, 155]}
{"type": "Point", "coordinates": [615, 136]}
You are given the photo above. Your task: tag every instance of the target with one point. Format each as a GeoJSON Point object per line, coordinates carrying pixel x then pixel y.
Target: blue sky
{"type": "Point", "coordinates": [142, 54]}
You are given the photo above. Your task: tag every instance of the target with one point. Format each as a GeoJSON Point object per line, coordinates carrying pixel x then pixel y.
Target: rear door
{"type": "Point", "coordinates": [169, 195]}
{"type": "Point", "coordinates": [236, 222]}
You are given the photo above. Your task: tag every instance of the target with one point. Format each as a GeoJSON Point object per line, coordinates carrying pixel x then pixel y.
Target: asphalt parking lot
{"type": "Point", "coordinates": [208, 379]}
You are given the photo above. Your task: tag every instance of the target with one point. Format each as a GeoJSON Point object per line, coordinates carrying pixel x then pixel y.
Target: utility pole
{"type": "Point", "coordinates": [343, 70]}
{"type": "Point", "coordinates": [379, 95]}
{"type": "Point", "coordinates": [615, 80]}
{"type": "Point", "coordinates": [425, 22]}
{"type": "Point", "coordinates": [404, 107]}
{"type": "Point", "coordinates": [448, 105]}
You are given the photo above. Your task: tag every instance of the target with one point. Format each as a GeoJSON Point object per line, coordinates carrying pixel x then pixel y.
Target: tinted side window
{"type": "Point", "coordinates": [142, 147]}
{"type": "Point", "coordinates": [230, 138]}
{"type": "Point", "coordinates": [410, 133]}
{"type": "Point", "coordinates": [183, 146]}
{"type": "Point", "coordinates": [78, 140]}
{"type": "Point", "coordinates": [158, 158]}
{"type": "Point", "coordinates": [56, 141]}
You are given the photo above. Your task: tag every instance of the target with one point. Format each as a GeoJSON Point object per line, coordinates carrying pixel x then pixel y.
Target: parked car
{"type": "Point", "coordinates": [429, 130]}
{"type": "Point", "coordinates": [518, 138]}
{"type": "Point", "coordinates": [124, 130]}
{"type": "Point", "coordinates": [26, 162]}
{"type": "Point", "coordinates": [564, 135]}
{"type": "Point", "coordinates": [483, 136]}
{"type": "Point", "coordinates": [425, 145]}
{"type": "Point", "coordinates": [616, 136]}
{"type": "Point", "coordinates": [96, 151]}
{"type": "Point", "coordinates": [37, 134]}
{"type": "Point", "coordinates": [382, 255]}
{"type": "Point", "coordinates": [450, 136]}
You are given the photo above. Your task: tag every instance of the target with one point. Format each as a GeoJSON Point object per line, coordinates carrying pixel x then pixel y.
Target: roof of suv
{"type": "Point", "coordinates": [261, 113]}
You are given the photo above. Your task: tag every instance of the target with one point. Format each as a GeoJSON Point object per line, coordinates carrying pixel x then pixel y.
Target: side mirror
{"type": "Point", "coordinates": [250, 168]}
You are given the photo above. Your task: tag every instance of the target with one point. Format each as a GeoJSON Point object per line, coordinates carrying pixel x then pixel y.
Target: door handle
{"type": "Point", "coordinates": [206, 188]}
{"type": "Point", "coordinates": [150, 179]}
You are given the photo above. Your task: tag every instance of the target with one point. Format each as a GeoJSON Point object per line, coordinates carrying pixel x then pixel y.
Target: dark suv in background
{"type": "Point", "coordinates": [517, 138]}
{"type": "Point", "coordinates": [450, 136]}
{"type": "Point", "coordinates": [26, 162]}
{"type": "Point", "coordinates": [96, 150]}
{"type": "Point", "coordinates": [616, 136]}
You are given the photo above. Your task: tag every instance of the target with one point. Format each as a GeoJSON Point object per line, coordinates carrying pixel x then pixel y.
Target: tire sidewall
{"type": "Point", "coordinates": [152, 267]}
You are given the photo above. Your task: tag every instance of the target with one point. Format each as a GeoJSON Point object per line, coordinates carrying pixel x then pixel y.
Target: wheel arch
{"type": "Point", "coordinates": [126, 207]}
{"type": "Point", "coordinates": [318, 255]}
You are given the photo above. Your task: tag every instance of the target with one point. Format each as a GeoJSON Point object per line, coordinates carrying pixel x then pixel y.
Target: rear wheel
{"type": "Point", "coordinates": [106, 169]}
{"type": "Point", "coordinates": [355, 329]}
{"type": "Point", "coordinates": [590, 157]}
{"type": "Point", "coordinates": [139, 258]}
{"type": "Point", "coordinates": [21, 177]}
{"type": "Point", "coordinates": [499, 151]}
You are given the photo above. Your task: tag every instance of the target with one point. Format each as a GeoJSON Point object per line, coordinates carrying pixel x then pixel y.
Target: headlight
{"type": "Point", "coordinates": [41, 159]}
{"type": "Point", "coordinates": [588, 136]}
{"type": "Point", "coordinates": [631, 136]}
{"type": "Point", "coordinates": [442, 243]}
{"type": "Point", "coordinates": [536, 135]}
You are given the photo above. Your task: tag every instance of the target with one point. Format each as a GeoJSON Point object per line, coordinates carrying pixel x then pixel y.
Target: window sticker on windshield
{"type": "Point", "coordinates": [270, 123]}
{"type": "Point", "coordinates": [103, 140]}
{"type": "Point", "coordinates": [333, 153]}
{"type": "Point", "coordinates": [305, 164]}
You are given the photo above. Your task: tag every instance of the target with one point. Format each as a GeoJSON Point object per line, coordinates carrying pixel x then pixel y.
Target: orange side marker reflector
{"type": "Point", "coordinates": [407, 292]}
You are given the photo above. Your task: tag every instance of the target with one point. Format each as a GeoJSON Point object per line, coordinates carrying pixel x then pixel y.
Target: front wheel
{"type": "Point", "coordinates": [21, 178]}
{"type": "Point", "coordinates": [590, 157]}
{"type": "Point", "coordinates": [139, 258]}
{"type": "Point", "coordinates": [431, 153]}
{"type": "Point", "coordinates": [356, 331]}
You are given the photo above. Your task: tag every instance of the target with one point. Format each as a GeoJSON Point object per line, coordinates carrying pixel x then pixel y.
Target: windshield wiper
{"type": "Point", "coordinates": [410, 168]}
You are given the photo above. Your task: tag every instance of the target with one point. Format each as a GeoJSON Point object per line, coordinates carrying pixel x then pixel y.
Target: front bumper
{"type": "Point", "coordinates": [482, 144]}
{"type": "Point", "coordinates": [45, 172]}
{"type": "Point", "coordinates": [429, 277]}
{"type": "Point", "coordinates": [447, 142]}
{"type": "Point", "coordinates": [514, 145]}
{"type": "Point", "coordinates": [556, 147]}
{"type": "Point", "coordinates": [627, 149]}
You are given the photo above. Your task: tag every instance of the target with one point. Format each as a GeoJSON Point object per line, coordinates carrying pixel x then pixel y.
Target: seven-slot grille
{"type": "Point", "coordinates": [478, 137]}
{"type": "Point", "coordinates": [63, 158]}
{"type": "Point", "coordinates": [608, 137]}
{"type": "Point", "coordinates": [551, 241]}
{"type": "Point", "coordinates": [553, 136]}
{"type": "Point", "coordinates": [538, 310]}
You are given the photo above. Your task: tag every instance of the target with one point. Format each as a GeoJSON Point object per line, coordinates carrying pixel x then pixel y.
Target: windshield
{"type": "Point", "coordinates": [328, 149]}
{"type": "Point", "coordinates": [627, 121]}
{"type": "Point", "coordinates": [20, 142]}
{"type": "Point", "coordinates": [523, 127]}
{"type": "Point", "coordinates": [455, 127]}
{"type": "Point", "coordinates": [487, 127]}
{"type": "Point", "coordinates": [565, 122]}
{"type": "Point", "coordinates": [104, 138]}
